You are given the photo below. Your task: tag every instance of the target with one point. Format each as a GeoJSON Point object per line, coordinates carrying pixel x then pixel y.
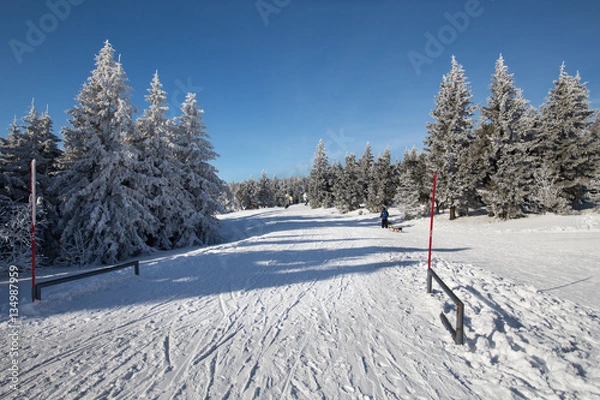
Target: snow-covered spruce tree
{"type": "Point", "coordinates": [320, 184]}
{"type": "Point", "coordinates": [448, 141]}
{"type": "Point", "coordinates": [9, 187]}
{"type": "Point", "coordinates": [246, 194]}
{"type": "Point", "coordinates": [479, 153]}
{"type": "Point", "coordinates": [14, 164]}
{"type": "Point", "coordinates": [299, 186]}
{"type": "Point", "coordinates": [15, 233]}
{"type": "Point", "coordinates": [34, 139]}
{"type": "Point", "coordinates": [294, 186]}
{"type": "Point", "coordinates": [266, 193]}
{"type": "Point", "coordinates": [347, 188]}
{"type": "Point", "coordinates": [382, 189]}
{"type": "Point", "coordinates": [335, 173]}
{"type": "Point", "coordinates": [507, 123]}
{"type": "Point", "coordinates": [193, 150]}
{"type": "Point", "coordinates": [227, 198]}
{"type": "Point", "coordinates": [546, 193]}
{"type": "Point", "coordinates": [46, 153]}
{"type": "Point", "coordinates": [104, 217]}
{"type": "Point", "coordinates": [278, 186]}
{"type": "Point", "coordinates": [564, 143]}
{"type": "Point", "coordinates": [594, 186]}
{"type": "Point", "coordinates": [160, 171]}
{"type": "Point", "coordinates": [365, 163]}
{"type": "Point", "coordinates": [232, 203]}
{"type": "Point", "coordinates": [15, 216]}
{"type": "Point", "coordinates": [594, 191]}
{"type": "Point", "coordinates": [412, 194]}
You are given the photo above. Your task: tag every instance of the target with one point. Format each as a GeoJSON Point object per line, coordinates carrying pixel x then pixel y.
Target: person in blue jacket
{"type": "Point", "coordinates": [384, 217]}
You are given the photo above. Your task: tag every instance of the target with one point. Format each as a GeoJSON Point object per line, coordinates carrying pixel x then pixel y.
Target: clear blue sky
{"type": "Point", "coordinates": [274, 82]}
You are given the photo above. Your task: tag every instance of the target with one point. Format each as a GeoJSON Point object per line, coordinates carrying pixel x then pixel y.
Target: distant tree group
{"type": "Point", "coordinates": [366, 182]}
{"type": "Point", "coordinates": [267, 192]}
{"type": "Point", "coordinates": [358, 183]}
{"type": "Point", "coordinates": [515, 160]}
{"type": "Point", "coordinates": [121, 187]}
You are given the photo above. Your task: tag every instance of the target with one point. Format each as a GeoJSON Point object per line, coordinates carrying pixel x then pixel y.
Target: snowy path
{"type": "Point", "coordinates": [303, 304]}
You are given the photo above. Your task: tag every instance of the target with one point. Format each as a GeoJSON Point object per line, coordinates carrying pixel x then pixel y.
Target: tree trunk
{"type": "Point", "coordinates": [452, 213]}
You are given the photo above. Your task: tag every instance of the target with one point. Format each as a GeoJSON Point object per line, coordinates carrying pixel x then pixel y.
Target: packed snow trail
{"type": "Point", "coordinates": [303, 304]}
{"type": "Point", "coordinates": [556, 254]}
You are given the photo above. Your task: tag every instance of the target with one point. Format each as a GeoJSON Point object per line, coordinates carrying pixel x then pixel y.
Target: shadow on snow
{"type": "Point", "coordinates": [227, 268]}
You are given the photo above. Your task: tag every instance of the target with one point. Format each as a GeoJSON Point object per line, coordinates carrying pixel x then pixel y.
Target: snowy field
{"type": "Point", "coordinates": [310, 304]}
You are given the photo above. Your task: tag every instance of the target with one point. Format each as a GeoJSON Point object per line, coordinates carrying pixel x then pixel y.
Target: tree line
{"type": "Point", "coordinates": [513, 159]}
{"type": "Point", "coordinates": [120, 186]}
{"type": "Point", "coordinates": [123, 186]}
{"type": "Point", "coordinates": [266, 192]}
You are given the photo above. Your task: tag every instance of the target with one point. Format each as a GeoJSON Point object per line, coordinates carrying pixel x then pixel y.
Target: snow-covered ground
{"type": "Point", "coordinates": [310, 304]}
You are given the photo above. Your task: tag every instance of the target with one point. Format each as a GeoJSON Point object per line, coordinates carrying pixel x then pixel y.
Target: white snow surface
{"type": "Point", "coordinates": [309, 304]}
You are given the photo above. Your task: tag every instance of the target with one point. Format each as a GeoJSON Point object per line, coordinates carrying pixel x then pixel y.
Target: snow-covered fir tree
{"type": "Point", "coordinates": [412, 194]}
{"type": "Point", "coordinates": [299, 187]}
{"type": "Point", "coordinates": [564, 143]}
{"type": "Point", "coordinates": [506, 117]}
{"type": "Point", "coordinates": [174, 158]}
{"type": "Point", "coordinates": [246, 194]}
{"type": "Point", "coordinates": [104, 217]}
{"type": "Point", "coordinates": [335, 174]}
{"type": "Point", "coordinates": [227, 199]}
{"type": "Point", "coordinates": [252, 194]}
{"type": "Point", "coordinates": [295, 186]}
{"type": "Point", "coordinates": [382, 188]}
{"type": "Point", "coordinates": [33, 139]}
{"type": "Point", "coordinates": [546, 194]}
{"type": "Point", "coordinates": [448, 139]}
{"type": "Point", "coordinates": [15, 234]}
{"type": "Point", "coordinates": [347, 188]}
{"type": "Point", "coordinates": [278, 187]}
{"type": "Point", "coordinates": [594, 189]}
{"type": "Point", "coordinates": [320, 184]}
{"type": "Point", "coordinates": [266, 194]}
{"type": "Point", "coordinates": [9, 186]}
{"type": "Point", "coordinates": [365, 163]}
{"type": "Point", "coordinates": [161, 173]}
{"type": "Point", "coordinates": [479, 152]}
{"type": "Point", "coordinates": [193, 150]}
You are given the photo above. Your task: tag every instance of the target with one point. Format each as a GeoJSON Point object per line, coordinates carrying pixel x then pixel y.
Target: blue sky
{"type": "Point", "coordinates": [274, 81]}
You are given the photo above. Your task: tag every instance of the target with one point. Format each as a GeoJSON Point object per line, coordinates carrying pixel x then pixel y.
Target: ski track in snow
{"type": "Point", "coordinates": [307, 304]}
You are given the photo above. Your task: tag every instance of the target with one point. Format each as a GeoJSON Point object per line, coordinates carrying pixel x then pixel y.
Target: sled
{"type": "Point", "coordinates": [395, 228]}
